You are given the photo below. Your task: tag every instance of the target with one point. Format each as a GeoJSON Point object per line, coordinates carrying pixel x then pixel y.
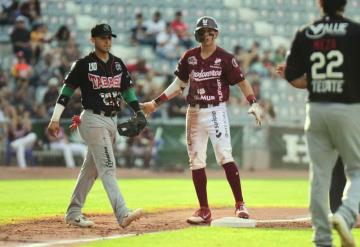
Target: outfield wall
{"type": "Point", "coordinates": [271, 146]}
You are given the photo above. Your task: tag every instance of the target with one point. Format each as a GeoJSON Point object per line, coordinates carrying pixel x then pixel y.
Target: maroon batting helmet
{"type": "Point", "coordinates": [205, 22]}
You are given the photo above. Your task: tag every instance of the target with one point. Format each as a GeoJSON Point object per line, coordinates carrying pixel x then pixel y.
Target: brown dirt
{"type": "Point", "coordinates": [50, 229]}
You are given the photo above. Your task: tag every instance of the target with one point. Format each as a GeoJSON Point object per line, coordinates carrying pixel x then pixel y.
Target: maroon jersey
{"type": "Point", "coordinates": [209, 78]}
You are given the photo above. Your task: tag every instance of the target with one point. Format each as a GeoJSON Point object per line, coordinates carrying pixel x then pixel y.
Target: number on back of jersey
{"type": "Point", "coordinates": [325, 72]}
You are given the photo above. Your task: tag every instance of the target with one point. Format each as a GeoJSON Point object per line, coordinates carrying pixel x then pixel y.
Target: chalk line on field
{"type": "Point", "coordinates": [75, 241]}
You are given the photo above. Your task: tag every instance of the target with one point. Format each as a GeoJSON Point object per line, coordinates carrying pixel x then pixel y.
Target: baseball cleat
{"type": "Point", "coordinates": [339, 224]}
{"type": "Point", "coordinates": [241, 211]}
{"type": "Point", "coordinates": [131, 216]}
{"type": "Point", "coordinates": [80, 221]}
{"type": "Point", "coordinates": [201, 216]}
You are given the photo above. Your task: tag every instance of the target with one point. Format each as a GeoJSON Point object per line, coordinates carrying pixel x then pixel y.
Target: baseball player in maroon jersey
{"type": "Point", "coordinates": [208, 71]}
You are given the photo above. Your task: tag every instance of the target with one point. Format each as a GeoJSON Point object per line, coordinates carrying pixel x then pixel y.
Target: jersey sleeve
{"type": "Point", "coordinates": [233, 73]}
{"type": "Point", "coordinates": [182, 69]}
{"type": "Point", "coordinates": [126, 81]}
{"type": "Point", "coordinates": [295, 62]}
{"type": "Point", "coordinates": [72, 79]}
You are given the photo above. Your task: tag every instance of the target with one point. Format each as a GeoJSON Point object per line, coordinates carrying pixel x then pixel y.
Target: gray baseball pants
{"type": "Point", "coordinates": [99, 134]}
{"type": "Point", "coordinates": [332, 129]}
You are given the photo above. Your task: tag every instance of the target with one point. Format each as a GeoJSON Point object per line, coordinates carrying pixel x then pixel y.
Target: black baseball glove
{"type": "Point", "coordinates": [133, 126]}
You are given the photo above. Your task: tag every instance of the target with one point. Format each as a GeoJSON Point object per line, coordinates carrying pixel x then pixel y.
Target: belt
{"type": "Point", "coordinates": [203, 105]}
{"type": "Point", "coordinates": [104, 113]}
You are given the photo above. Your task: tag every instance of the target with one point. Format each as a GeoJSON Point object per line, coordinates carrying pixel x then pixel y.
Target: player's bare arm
{"type": "Point", "coordinates": [64, 97]}
{"type": "Point", "coordinates": [300, 82]}
{"type": "Point", "coordinates": [173, 90]}
{"type": "Point", "coordinates": [248, 92]}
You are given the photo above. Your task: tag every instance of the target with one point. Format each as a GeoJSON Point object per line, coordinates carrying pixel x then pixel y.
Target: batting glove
{"type": "Point", "coordinates": [256, 110]}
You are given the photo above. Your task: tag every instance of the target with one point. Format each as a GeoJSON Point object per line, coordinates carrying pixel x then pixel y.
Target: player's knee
{"type": "Point", "coordinates": [197, 166]}
{"type": "Point", "coordinates": [224, 157]}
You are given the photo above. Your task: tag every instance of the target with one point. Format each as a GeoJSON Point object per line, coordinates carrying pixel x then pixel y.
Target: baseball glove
{"type": "Point", "coordinates": [133, 126]}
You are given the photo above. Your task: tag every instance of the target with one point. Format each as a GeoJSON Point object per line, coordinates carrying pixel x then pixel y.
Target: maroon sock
{"type": "Point", "coordinates": [232, 175]}
{"type": "Point", "coordinates": [200, 181]}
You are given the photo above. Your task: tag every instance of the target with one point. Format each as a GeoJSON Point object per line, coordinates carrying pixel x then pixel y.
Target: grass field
{"type": "Point", "coordinates": [27, 199]}
{"type": "Point", "coordinates": [216, 237]}
{"type": "Point", "coordinates": [30, 199]}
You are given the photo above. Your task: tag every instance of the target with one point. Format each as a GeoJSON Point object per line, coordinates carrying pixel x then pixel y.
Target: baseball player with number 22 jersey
{"type": "Point", "coordinates": [208, 71]}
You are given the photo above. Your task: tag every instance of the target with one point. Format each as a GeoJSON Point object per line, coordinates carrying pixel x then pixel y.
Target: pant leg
{"type": "Point", "coordinates": [219, 132]}
{"type": "Point", "coordinates": [344, 124]}
{"type": "Point", "coordinates": [99, 133]}
{"type": "Point", "coordinates": [104, 158]}
{"type": "Point", "coordinates": [85, 181]}
{"type": "Point", "coordinates": [197, 138]}
{"type": "Point", "coordinates": [322, 160]}
{"type": "Point", "coordinates": [19, 146]}
{"type": "Point", "coordinates": [338, 181]}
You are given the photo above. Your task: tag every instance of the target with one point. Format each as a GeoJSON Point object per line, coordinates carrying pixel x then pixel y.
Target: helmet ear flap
{"type": "Point", "coordinates": [197, 36]}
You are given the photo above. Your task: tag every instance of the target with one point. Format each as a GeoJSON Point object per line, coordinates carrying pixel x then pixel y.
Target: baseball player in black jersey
{"type": "Point", "coordinates": [103, 80]}
{"type": "Point", "coordinates": [324, 59]}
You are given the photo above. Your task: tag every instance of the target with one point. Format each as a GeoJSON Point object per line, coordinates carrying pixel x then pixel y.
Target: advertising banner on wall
{"type": "Point", "coordinates": [288, 148]}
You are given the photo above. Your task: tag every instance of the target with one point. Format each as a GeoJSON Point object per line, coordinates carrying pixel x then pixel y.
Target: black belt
{"type": "Point", "coordinates": [104, 113]}
{"type": "Point", "coordinates": [203, 105]}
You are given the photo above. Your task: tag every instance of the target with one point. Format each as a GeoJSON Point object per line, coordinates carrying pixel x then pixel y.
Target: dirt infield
{"type": "Point", "coordinates": [54, 228]}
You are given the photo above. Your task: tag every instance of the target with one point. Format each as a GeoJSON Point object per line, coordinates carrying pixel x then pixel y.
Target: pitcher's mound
{"type": "Point", "coordinates": [234, 222]}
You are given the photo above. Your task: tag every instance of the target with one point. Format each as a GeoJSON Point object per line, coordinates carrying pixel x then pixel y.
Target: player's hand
{"type": "Point", "coordinates": [53, 128]}
{"type": "Point", "coordinates": [280, 70]}
{"type": "Point", "coordinates": [256, 110]}
{"type": "Point", "coordinates": [148, 107]}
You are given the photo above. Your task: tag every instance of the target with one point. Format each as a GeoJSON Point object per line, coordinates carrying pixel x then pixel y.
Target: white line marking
{"type": "Point", "coordinates": [74, 241]}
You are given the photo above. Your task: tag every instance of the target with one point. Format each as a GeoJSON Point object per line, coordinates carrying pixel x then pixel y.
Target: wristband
{"type": "Point", "coordinates": [161, 99]}
{"type": "Point", "coordinates": [251, 99]}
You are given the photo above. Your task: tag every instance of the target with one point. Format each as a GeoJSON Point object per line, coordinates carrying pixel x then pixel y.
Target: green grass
{"type": "Point", "coordinates": [27, 199]}
{"type": "Point", "coordinates": [216, 237]}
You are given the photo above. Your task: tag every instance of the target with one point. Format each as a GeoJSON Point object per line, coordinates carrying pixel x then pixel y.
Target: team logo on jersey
{"type": "Point", "coordinates": [205, 75]}
{"type": "Point", "coordinates": [192, 60]}
{"type": "Point", "coordinates": [99, 82]}
{"type": "Point", "coordinates": [319, 30]}
{"type": "Point", "coordinates": [92, 66]}
{"type": "Point", "coordinates": [234, 63]}
{"type": "Point", "coordinates": [118, 66]}
{"type": "Point", "coordinates": [217, 64]}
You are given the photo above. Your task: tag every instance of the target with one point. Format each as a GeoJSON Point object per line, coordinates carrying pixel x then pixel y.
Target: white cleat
{"type": "Point", "coordinates": [131, 216]}
{"type": "Point", "coordinates": [339, 224]}
{"type": "Point", "coordinates": [80, 221]}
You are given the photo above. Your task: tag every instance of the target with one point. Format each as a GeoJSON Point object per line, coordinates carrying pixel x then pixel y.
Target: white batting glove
{"type": "Point", "coordinates": [256, 110]}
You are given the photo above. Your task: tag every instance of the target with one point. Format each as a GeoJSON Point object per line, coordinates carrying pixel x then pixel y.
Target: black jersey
{"type": "Point", "coordinates": [100, 83]}
{"type": "Point", "coordinates": [328, 51]}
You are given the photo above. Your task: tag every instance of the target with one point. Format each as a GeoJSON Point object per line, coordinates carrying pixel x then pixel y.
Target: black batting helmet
{"type": "Point", "coordinates": [205, 22]}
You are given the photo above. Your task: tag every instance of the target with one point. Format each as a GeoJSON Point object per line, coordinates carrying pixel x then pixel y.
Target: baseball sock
{"type": "Point", "coordinates": [232, 175]}
{"type": "Point", "coordinates": [200, 181]}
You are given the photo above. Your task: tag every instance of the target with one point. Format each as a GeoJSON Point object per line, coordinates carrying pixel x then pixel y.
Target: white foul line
{"type": "Point", "coordinates": [74, 241]}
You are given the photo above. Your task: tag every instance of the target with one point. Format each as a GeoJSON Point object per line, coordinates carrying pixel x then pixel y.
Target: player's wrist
{"type": "Point", "coordinates": [160, 100]}
{"type": "Point", "coordinates": [251, 99]}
